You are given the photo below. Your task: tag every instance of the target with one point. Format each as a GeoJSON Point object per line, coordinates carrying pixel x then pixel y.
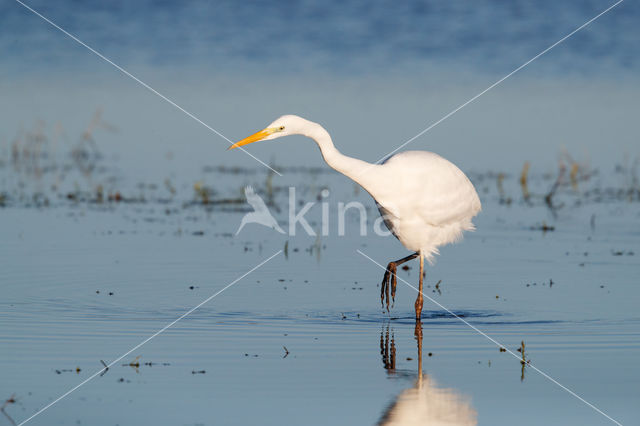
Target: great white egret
{"type": "Point", "coordinates": [424, 199]}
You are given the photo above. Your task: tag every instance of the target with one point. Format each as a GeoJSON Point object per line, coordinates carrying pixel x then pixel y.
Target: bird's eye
{"type": "Point", "coordinates": [281, 128]}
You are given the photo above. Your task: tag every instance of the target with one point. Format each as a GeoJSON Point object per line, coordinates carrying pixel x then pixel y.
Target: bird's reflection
{"type": "Point", "coordinates": [388, 349]}
{"type": "Point", "coordinates": [424, 403]}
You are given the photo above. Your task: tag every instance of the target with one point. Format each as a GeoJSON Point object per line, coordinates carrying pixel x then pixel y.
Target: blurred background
{"type": "Point", "coordinates": [373, 74]}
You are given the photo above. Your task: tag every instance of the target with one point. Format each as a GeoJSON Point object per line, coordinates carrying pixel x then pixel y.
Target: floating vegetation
{"type": "Point", "coordinates": [11, 400]}
{"type": "Point", "coordinates": [548, 199]}
{"type": "Point", "coordinates": [523, 181]}
{"type": "Point", "coordinates": [543, 283]}
{"type": "Point", "coordinates": [524, 361]}
{"type": "Point", "coordinates": [437, 288]}
{"type": "Point", "coordinates": [45, 168]}
{"type": "Point", "coordinates": [500, 185]}
{"type": "Point", "coordinates": [135, 363]}
{"type": "Point", "coordinates": [202, 193]}
{"type": "Point", "coordinates": [106, 368]}
{"type": "Point", "coordinates": [85, 153]}
{"type": "Point", "coordinates": [622, 253]}
{"type": "Point", "coordinates": [77, 370]}
{"type": "Point", "coordinates": [572, 184]}
{"type": "Point", "coordinates": [544, 228]}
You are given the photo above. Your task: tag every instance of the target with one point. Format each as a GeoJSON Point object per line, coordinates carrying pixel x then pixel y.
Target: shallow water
{"type": "Point", "coordinates": [225, 362]}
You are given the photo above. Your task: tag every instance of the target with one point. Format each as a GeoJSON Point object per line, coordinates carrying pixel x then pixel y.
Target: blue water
{"type": "Point", "coordinates": [87, 281]}
{"type": "Point", "coordinates": [352, 37]}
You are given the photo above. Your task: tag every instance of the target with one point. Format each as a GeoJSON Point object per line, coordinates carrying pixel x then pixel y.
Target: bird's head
{"type": "Point", "coordinates": [283, 126]}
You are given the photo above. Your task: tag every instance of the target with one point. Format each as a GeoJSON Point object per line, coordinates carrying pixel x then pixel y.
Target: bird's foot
{"type": "Point", "coordinates": [388, 287]}
{"type": "Point", "coordinates": [394, 284]}
{"type": "Point", "coordinates": [384, 287]}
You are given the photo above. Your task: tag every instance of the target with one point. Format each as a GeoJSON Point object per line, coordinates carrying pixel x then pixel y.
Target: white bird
{"type": "Point", "coordinates": [261, 213]}
{"type": "Point", "coordinates": [425, 200]}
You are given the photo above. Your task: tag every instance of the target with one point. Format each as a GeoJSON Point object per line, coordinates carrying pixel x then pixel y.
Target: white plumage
{"type": "Point", "coordinates": [428, 203]}
{"type": "Point", "coordinates": [425, 200]}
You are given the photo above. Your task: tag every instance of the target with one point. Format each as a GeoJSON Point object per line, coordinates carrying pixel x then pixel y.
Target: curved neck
{"type": "Point", "coordinates": [353, 168]}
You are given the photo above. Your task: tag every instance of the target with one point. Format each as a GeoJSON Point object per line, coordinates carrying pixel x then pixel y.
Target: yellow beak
{"type": "Point", "coordinates": [253, 138]}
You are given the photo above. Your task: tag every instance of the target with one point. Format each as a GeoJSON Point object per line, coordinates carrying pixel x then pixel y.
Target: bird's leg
{"type": "Point", "coordinates": [390, 281]}
{"type": "Point", "coordinates": [418, 304]}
